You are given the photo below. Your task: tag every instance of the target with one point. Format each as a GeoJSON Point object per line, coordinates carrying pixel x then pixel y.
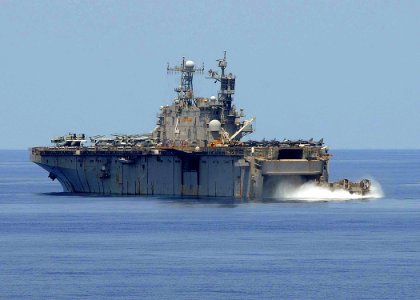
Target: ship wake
{"type": "Point", "coordinates": [294, 189]}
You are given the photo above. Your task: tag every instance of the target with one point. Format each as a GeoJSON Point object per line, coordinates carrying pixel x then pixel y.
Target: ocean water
{"type": "Point", "coordinates": [60, 246]}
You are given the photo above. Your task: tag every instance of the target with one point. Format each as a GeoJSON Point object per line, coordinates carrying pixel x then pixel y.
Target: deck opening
{"type": "Point", "coordinates": [290, 153]}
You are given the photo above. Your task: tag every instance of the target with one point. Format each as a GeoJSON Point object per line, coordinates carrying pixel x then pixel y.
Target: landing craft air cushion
{"type": "Point", "coordinates": [195, 150]}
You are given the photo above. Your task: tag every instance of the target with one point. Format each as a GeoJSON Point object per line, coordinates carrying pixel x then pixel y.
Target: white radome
{"type": "Point", "coordinates": [189, 64]}
{"type": "Point", "coordinates": [215, 125]}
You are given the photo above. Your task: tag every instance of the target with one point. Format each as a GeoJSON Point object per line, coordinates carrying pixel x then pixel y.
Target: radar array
{"type": "Point", "coordinates": [185, 90]}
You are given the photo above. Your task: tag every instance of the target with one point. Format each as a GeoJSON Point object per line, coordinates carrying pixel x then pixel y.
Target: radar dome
{"type": "Point", "coordinates": [213, 98]}
{"type": "Point", "coordinates": [215, 125]}
{"type": "Point", "coordinates": [189, 64]}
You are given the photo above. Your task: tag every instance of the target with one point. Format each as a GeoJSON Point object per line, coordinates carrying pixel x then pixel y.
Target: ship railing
{"type": "Point", "coordinates": [260, 152]}
{"type": "Point", "coordinates": [119, 150]}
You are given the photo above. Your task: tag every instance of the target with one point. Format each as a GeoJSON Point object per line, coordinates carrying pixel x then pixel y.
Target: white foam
{"type": "Point", "coordinates": [310, 191]}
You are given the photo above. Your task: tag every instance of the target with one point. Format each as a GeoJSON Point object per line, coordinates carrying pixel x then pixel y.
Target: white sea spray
{"type": "Point", "coordinates": [294, 189]}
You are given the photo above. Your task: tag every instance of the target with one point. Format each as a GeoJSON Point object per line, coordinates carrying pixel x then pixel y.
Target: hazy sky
{"type": "Point", "coordinates": [348, 71]}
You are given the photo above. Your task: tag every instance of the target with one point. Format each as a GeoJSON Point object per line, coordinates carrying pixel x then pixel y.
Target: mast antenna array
{"type": "Point", "coordinates": [185, 90]}
{"type": "Point", "coordinates": [227, 82]}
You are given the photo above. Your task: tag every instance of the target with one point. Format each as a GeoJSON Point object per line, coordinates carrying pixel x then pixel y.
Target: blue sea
{"type": "Point", "coordinates": [60, 246]}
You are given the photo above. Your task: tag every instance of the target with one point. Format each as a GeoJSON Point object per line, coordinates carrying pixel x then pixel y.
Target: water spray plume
{"type": "Point", "coordinates": [294, 189]}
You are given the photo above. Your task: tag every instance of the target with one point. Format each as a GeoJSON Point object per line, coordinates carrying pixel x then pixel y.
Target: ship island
{"type": "Point", "coordinates": [196, 149]}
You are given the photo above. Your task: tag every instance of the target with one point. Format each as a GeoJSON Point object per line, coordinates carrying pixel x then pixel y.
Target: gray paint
{"type": "Point", "coordinates": [195, 150]}
{"type": "Point", "coordinates": [166, 174]}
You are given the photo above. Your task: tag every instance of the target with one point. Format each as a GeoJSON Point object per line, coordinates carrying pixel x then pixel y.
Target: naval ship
{"type": "Point", "coordinates": [196, 149]}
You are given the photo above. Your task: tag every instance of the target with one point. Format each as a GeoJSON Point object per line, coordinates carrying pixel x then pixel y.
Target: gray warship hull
{"type": "Point", "coordinates": [218, 172]}
{"type": "Point", "coordinates": [194, 150]}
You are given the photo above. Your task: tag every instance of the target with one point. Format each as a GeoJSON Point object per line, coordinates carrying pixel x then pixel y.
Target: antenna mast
{"type": "Point", "coordinates": [227, 82]}
{"type": "Point", "coordinates": [185, 90]}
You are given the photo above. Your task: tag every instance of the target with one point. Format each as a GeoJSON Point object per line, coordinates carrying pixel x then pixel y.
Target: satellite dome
{"type": "Point", "coordinates": [213, 98]}
{"type": "Point", "coordinates": [189, 64]}
{"type": "Point", "coordinates": [215, 125]}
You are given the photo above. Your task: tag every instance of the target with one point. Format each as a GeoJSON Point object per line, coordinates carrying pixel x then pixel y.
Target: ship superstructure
{"type": "Point", "coordinates": [200, 121]}
{"type": "Point", "coordinates": [195, 150]}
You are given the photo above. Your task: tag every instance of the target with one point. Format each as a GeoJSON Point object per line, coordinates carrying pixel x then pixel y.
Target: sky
{"type": "Point", "coordinates": [345, 71]}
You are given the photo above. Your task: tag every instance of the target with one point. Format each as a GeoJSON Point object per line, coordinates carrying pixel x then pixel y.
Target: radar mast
{"type": "Point", "coordinates": [227, 83]}
{"type": "Point", "coordinates": [185, 90]}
